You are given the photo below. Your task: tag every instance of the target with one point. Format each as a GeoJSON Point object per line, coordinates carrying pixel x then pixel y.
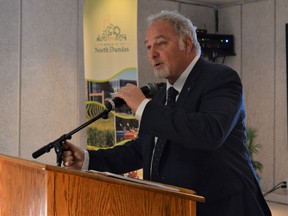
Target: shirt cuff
{"type": "Point", "coordinates": [86, 161]}
{"type": "Point", "coordinates": [140, 110]}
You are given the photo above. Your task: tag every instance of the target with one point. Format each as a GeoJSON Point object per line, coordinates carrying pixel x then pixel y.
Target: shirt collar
{"type": "Point", "coordinates": [178, 85]}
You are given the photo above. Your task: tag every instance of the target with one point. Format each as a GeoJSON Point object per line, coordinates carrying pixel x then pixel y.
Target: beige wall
{"type": "Point", "coordinates": [42, 81]}
{"type": "Point", "coordinates": [41, 69]}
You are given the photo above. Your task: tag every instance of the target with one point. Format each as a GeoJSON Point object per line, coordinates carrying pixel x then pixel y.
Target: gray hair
{"type": "Point", "coordinates": [182, 25]}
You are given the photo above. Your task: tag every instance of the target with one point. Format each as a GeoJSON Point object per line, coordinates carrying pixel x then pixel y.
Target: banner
{"type": "Point", "coordinates": [110, 62]}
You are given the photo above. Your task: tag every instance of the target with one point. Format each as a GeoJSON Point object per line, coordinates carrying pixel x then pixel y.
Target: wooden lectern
{"type": "Point", "coordinates": [32, 188]}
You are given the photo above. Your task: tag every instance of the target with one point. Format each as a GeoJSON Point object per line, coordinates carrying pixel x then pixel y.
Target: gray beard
{"type": "Point", "coordinates": [164, 73]}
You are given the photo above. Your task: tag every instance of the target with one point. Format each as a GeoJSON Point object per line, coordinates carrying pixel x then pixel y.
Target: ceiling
{"type": "Point", "coordinates": [216, 3]}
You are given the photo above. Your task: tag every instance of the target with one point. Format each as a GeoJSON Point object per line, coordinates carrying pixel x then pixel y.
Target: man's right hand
{"type": "Point", "coordinates": [73, 156]}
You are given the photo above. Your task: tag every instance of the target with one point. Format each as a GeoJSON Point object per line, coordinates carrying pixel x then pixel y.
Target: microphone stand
{"type": "Point", "coordinates": [57, 144]}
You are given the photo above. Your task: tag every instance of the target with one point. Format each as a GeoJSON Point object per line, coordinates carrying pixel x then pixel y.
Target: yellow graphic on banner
{"type": "Point", "coordinates": [110, 37]}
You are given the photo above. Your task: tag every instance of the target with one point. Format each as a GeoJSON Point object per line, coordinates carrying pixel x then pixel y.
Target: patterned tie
{"type": "Point", "coordinates": [172, 93]}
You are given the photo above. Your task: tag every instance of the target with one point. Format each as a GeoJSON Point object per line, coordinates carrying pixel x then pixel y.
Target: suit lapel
{"type": "Point", "coordinates": [190, 83]}
{"type": "Point", "coordinates": [161, 96]}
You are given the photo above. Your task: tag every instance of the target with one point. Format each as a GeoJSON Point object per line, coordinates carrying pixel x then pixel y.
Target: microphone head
{"type": "Point", "coordinates": [113, 103]}
{"type": "Point", "coordinates": [153, 89]}
{"type": "Point", "coordinates": [149, 90]}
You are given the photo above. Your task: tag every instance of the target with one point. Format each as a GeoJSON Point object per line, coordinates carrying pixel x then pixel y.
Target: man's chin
{"type": "Point", "coordinates": [160, 74]}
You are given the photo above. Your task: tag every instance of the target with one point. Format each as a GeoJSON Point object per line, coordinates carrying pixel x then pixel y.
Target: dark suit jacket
{"type": "Point", "coordinates": [204, 136]}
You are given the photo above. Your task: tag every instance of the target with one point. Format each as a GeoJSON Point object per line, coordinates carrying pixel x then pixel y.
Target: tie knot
{"type": "Point", "coordinates": [172, 93]}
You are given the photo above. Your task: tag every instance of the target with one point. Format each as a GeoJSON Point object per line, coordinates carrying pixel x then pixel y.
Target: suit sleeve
{"type": "Point", "coordinates": [119, 159]}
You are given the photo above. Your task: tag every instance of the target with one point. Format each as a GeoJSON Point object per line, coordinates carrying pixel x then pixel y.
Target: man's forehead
{"type": "Point", "coordinates": [157, 37]}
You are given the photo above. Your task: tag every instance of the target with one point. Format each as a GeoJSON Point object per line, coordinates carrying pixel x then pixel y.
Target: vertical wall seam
{"type": "Point", "coordinates": [77, 81]}
{"type": "Point", "coordinates": [79, 65]}
{"type": "Point", "coordinates": [275, 89]}
{"type": "Point", "coordinates": [20, 77]}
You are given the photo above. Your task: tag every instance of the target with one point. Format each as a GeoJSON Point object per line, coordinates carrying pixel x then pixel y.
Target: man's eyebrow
{"type": "Point", "coordinates": [157, 37]}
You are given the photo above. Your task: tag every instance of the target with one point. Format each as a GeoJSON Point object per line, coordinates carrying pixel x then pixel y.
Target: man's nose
{"type": "Point", "coordinates": [153, 54]}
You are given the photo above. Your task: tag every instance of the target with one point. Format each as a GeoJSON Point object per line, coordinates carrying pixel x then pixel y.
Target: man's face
{"type": "Point", "coordinates": [165, 55]}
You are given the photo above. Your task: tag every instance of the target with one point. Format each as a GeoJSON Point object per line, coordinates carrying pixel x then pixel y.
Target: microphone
{"type": "Point", "coordinates": [149, 90]}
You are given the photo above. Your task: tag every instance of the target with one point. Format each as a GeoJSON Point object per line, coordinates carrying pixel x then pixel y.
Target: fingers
{"type": "Point", "coordinates": [68, 163]}
{"type": "Point", "coordinates": [67, 154]}
{"type": "Point", "coordinates": [129, 90]}
{"type": "Point", "coordinates": [132, 95]}
{"type": "Point", "coordinates": [73, 156]}
{"type": "Point", "coordinates": [68, 158]}
{"type": "Point", "coordinates": [69, 146]}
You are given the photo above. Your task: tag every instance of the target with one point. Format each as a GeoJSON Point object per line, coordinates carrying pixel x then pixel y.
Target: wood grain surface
{"type": "Point", "coordinates": [31, 188]}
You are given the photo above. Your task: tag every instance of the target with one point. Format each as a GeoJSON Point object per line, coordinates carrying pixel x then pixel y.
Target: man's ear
{"type": "Point", "coordinates": [188, 43]}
